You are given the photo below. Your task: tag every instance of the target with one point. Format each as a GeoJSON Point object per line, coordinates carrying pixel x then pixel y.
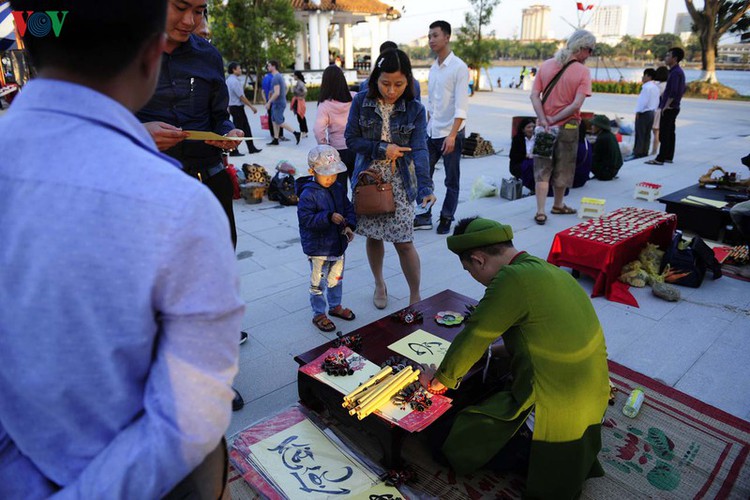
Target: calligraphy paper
{"type": "Point", "coordinates": [422, 347]}
{"type": "Point", "coordinates": [363, 370]}
{"type": "Point", "coordinates": [707, 201]}
{"type": "Point", "coordinates": [201, 135]}
{"type": "Point", "coordinates": [412, 420]}
{"type": "Point", "coordinates": [304, 463]}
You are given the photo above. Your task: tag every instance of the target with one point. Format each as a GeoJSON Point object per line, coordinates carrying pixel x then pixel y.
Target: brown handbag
{"type": "Point", "coordinates": [372, 196]}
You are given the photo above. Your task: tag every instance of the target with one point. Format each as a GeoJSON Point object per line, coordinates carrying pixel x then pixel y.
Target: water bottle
{"type": "Point", "coordinates": [633, 403]}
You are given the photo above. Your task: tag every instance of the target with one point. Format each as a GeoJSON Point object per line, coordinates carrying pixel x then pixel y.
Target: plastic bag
{"type": "Point", "coordinates": [625, 127]}
{"type": "Point", "coordinates": [544, 141]}
{"type": "Point", "coordinates": [650, 259]}
{"type": "Point", "coordinates": [484, 186]}
{"type": "Point", "coordinates": [634, 275]}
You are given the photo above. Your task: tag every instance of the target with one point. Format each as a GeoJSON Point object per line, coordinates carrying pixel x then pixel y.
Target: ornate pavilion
{"type": "Point", "coordinates": [316, 18]}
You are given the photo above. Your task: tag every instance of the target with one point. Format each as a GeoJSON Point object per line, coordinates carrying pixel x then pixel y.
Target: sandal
{"type": "Point", "coordinates": [540, 219]}
{"type": "Point", "coordinates": [563, 210]}
{"type": "Point", "coordinates": [323, 323]}
{"type": "Point", "coordinates": [654, 162]}
{"type": "Point", "coordinates": [342, 312]}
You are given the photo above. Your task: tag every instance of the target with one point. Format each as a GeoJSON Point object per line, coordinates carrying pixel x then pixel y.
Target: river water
{"type": "Point", "coordinates": [738, 80]}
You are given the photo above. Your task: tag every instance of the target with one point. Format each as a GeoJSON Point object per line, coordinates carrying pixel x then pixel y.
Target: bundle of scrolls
{"type": "Point", "coordinates": [378, 391]}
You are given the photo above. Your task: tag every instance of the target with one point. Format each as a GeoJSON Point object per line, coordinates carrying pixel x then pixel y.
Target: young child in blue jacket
{"type": "Point", "coordinates": [326, 226]}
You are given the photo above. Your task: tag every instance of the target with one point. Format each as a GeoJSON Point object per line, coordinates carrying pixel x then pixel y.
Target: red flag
{"type": "Point", "coordinates": [589, 7]}
{"type": "Point", "coordinates": [579, 5]}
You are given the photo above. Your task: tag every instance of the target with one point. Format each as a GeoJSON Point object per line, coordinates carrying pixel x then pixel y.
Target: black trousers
{"type": "Point", "coordinates": [221, 186]}
{"type": "Point", "coordinates": [643, 124]}
{"type": "Point", "coordinates": [208, 480]}
{"type": "Point", "coordinates": [302, 120]}
{"type": "Point", "coordinates": [667, 134]}
{"type": "Point", "coordinates": [239, 118]}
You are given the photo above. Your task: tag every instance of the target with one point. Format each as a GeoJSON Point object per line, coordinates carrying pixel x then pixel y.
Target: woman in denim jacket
{"type": "Point", "coordinates": [387, 131]}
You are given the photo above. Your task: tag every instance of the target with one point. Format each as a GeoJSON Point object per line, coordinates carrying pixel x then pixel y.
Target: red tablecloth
{"type": "Point", "coordinates": [603, 261]}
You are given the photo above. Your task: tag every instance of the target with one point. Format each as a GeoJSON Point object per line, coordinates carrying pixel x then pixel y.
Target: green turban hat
{"type": "Point", "coordinates": [480, 232]}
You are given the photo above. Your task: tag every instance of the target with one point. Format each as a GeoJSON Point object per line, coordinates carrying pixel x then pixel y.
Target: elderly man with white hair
{"type": "Point", "coordinates": [561, 85]}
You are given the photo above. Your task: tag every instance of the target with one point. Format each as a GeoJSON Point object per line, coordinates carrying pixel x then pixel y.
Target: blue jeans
{"type": "Point", "coordinates": [325, 280]}
{"type": "Point", "coordinates": [451, 163]}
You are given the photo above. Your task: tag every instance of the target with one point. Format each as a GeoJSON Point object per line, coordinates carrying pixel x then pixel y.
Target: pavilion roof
{"type": "Point", "coordinates": [354, 6]}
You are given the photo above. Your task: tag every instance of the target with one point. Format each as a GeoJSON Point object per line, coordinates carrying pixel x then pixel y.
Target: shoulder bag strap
{"type": "Point", "coordinates": [546, 92]}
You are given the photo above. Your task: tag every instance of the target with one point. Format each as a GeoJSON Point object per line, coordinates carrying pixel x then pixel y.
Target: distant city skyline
{"type": "Point", "coordinates": [507, 17]}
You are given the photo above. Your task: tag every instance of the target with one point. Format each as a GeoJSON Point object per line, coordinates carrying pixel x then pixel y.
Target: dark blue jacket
{"type": "Point", "coordinates": [408, 128]}
{"type": "Point", "coordinates": [316, 204]}
{"type": "Point", "coordinates": [192, 94]}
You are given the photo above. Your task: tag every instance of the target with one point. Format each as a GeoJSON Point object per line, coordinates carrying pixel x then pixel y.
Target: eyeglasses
{"type": "Point", "coordinates": [590, 49]}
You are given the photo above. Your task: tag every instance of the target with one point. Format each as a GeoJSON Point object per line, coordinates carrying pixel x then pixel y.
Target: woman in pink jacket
{"type": "Point", "coordinates": [333, 110]}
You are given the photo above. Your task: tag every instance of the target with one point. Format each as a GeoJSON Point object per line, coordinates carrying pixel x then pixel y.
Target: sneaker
{"type": "Point", "coordinates": [297, 136]}
{"type": "Point", "coordinates": [243, 337]}
{"type": "Point", "coordinates": [274, 142]}
{"type": "Point", "coordinates": [422, 223]}
{"type": "Point", "coordinates": [284, 139]}
{"type": "Point", "coordinates": [444, 227]}
{"type": "Point", "coordinates": [237, 403]}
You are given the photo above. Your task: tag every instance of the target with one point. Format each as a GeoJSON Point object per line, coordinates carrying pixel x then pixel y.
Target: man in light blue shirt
{"type": "Point", "coordinates": [118, 344]}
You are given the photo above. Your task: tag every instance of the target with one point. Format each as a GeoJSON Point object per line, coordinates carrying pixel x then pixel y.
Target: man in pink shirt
{"type": "Point", "coordinates": [557, 102]}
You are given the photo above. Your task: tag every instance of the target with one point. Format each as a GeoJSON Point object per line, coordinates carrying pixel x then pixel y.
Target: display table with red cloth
{"type": "Point", "coordinates": [600, 247]}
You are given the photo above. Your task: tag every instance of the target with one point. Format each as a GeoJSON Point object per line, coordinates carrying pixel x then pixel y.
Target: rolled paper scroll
{"type": "Point", "coordinates": [387, 395]}
{"type": "Point", "coordinates": [379, 389]}
{"type": "Point", "coordinates": [387, 387]}
{"type": "Point", "coordinates": [352, 396]}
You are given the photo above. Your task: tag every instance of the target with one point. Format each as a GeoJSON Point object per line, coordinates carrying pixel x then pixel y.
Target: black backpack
{"type": "Point", "coordinates": [691, 260]}
{"type": "Point", "coordinates": [281, 189]}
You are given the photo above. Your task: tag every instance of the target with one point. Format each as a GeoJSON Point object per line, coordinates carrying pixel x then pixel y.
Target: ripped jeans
{"type": "Point", "coordinates": [325, 279]}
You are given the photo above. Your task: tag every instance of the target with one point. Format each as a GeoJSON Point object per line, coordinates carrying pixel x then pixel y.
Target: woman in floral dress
{"type": "Point", "coordinates": [387, 131]}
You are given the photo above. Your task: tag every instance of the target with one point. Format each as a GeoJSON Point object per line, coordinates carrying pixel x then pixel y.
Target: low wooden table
{"type": "Point", "coordinates": [376, 337]}
{"type": "Point", "coordinates": [706, 221]}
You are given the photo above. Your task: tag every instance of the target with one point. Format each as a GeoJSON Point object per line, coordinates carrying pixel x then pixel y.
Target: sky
{"type": "Point", "coordinates": [506, 19]}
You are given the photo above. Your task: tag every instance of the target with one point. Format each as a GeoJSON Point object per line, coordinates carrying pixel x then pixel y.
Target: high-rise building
{"type": "Point", "coordinates": [535, 23]}
{"type": "Point", "coordinates": [653, 20]}
{"type": "Point", "coordinates": [683, 26]}
{"type": "Point", "coordinates": [609, 23]}
{"type": "Point", "coordinates": [682, 23]}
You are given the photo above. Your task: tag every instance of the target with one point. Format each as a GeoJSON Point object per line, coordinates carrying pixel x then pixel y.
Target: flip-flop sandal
{"type": "Point", "coordinates": [654, 162]}
{"type": "Point", "coordinates": [563, 210]}
{"type": "Point", "coordinates": [540, 219]}
{"type": "Point", "coordinates": [323, 323]}
{"type": "Point", "coordinates": [342, 312]}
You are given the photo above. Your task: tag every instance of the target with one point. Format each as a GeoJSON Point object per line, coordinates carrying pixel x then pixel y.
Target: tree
{"type": "Point", "coordinates": [714, 20]}
{"type": "Point", "coordinates": [253, 31]}
{"type": "Point", "coordinates": [469, 45]}
{"type": "Point", "coordinates": [660, 44]}
{"type": "Point", "coordinates": [604, 50]}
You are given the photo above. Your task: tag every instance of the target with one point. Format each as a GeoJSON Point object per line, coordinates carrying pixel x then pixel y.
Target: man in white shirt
{"type": "Point", "coordinates": [446, 115]}
{"type": "Point", "coordinates": [648, 101]}
{"type": "Point", "coordinates": [237, 103]}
